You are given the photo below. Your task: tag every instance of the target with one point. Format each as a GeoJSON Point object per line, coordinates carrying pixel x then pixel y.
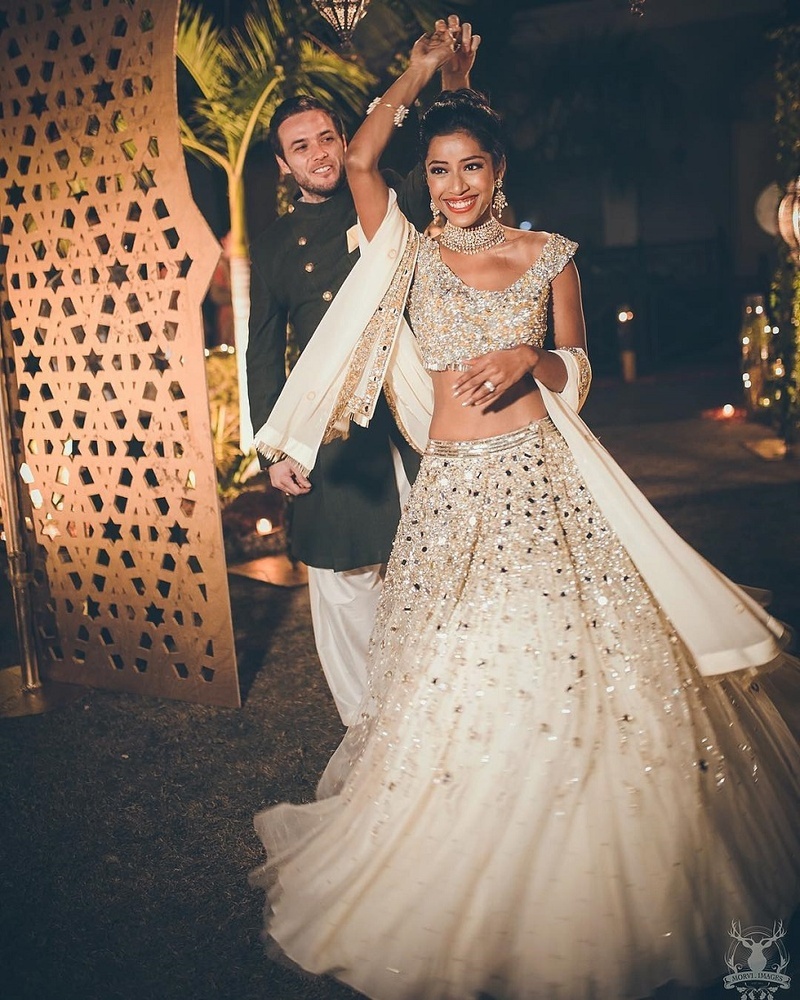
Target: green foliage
{"type": "Point", "coordinates": [785, 293]}
{"type": "Point", "coordinates": [238, 78]}
{"type": "Point", "coordinates": [787, 101]}
{"type": "Point", "coordinates": [284, 48]}
{"type": "Point", "coordinates": [233, 466]}
{"type": "Point", "coordinates": [242, 75]}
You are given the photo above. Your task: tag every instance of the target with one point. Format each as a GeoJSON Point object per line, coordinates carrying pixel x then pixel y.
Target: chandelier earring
{"type": "Point", "coordinates": [434, 209]}
{"type": "Point", "coordinates": [499, 201]}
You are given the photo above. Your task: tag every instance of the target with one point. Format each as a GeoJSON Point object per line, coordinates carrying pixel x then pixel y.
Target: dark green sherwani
{"type": "Point", "coordinates": [299, 263]}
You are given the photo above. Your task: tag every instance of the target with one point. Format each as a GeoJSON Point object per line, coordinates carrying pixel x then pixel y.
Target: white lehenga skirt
{"type": "Point", "coordinates": [542, 799]}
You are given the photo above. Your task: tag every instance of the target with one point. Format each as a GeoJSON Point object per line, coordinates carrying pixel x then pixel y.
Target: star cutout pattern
{"type": "Point", "coordinates": [38, 103]}
{"type": "Point", "coordinates": [103, 92]}
{"type": "Point", "coordinates": [120, 311]}
{"type": "Point", "coordinates": [93, 362]}
{"type": "Point", "coordinates": [77, 187]}
{"type": "Point", "coordinates": [53, 279]}
{"type": "Point", "coordinates": [15, 195]}
{"type": "Point", "coordinates": [91, 608]}
{"type": "Point", "coordinates": [178, 535]}
{"type": "Point", "coordinates": [145, 178]}
{"type": "Point", "coordinates": [154, 615]}
{"type": "Point", "coordinates": [112, 531]}
{"type": "Point", "coordinates": [159, 361]}
{"type": "Point", "coordinates": [134, 448]}
{"type": "Point", "coordinates": [70, 447]}
{"type": "Point", "coordinates": [31, 364]}
{"type": "Point", "coordinates": [118, 273]}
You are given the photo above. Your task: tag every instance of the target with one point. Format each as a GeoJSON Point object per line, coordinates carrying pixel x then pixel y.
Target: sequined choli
{"type": "Point", "coordinates": [453, 321]}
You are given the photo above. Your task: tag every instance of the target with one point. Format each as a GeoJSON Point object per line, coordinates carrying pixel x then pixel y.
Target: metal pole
{"type": "Point", "coordinates": [21, 688]}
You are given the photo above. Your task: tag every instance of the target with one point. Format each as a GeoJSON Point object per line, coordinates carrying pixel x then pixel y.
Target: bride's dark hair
{"type": "Point", "coordinates": [463, 111]}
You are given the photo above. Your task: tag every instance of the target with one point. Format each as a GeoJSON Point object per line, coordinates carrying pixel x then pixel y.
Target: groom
{"type": "Point", "coordinates": [343, 516]}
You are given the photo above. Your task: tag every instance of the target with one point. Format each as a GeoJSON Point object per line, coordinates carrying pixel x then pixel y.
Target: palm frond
{"type": "Point", "coordinates": [256, 49]}
{"type": "Point", "coordinates": [338, 81]}
{"type": "Point", "coordinates": [243, 75]}
{"type": "Point", "coordinates": [219, 125]}
{"type": "Point", "coordinates": [201, 48]}
{"type": "Point", "coordinates": [204, 147]}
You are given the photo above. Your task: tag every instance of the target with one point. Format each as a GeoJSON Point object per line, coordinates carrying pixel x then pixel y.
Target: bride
{"type": "Point", "coordinates": [566, 780]}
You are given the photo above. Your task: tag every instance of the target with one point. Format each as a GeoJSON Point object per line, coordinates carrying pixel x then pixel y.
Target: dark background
{"type": "Point", "coordinates": [647, 139]}
{"type": "Point", "coordinates": [126, 823]}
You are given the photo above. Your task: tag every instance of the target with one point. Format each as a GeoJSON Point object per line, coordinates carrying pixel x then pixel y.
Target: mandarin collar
{"type": "Point", "coordinates": [308, 209]}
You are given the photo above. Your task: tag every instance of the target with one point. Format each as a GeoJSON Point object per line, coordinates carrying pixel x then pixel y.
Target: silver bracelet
{"type": "Point", "coordinates": [400, 112]}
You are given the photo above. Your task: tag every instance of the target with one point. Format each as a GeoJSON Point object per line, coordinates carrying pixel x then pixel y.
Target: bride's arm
{"type": "Point", "coordinates": [569, 329]}
{"type": "Point", "coordinates": [506, 367]}
{"type": "Point", "coordinates": [369, 190]}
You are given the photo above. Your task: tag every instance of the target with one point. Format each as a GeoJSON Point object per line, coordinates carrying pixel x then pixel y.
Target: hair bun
{"type": "Point", "coordinates": [463, 98]}
{"type": "Point", "coordinates": [467, 111]}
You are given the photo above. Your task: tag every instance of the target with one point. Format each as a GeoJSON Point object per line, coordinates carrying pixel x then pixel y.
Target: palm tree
{"type": "Point", "coordinates": [241, 76]}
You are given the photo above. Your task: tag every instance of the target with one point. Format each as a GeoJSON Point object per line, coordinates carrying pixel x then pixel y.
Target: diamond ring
{"type": "Point", "coordinates": [490, 385]}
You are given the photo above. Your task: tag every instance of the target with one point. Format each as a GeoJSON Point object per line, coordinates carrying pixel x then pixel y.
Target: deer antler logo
{"type": "Point", "coordinates": [757, 955]}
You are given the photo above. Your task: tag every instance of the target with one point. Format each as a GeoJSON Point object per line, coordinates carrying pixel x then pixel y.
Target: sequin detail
{"type": "Point", "coordinates": [541, 798]}
{"type": "Point", "coordinates": [584, 371]}
{"type": "Point", "coordinates": [453, 321]}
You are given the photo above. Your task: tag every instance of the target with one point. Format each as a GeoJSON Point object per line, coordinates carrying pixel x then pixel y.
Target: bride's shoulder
{"type": "Point", "coordinates": [528, 238]}
{"type": "Point", "coordinates": [526, 244]}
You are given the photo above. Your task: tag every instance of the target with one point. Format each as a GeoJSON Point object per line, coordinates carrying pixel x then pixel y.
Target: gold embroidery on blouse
{"type": "Point", "coordinates": [453, 321]}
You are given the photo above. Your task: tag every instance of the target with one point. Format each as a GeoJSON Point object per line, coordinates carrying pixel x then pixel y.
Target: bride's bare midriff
{"type": "Point", "coordinates": [518, 407]}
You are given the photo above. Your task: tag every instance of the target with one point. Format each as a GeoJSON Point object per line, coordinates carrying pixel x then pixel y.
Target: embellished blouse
{"type": "Point", "coordinates": [453, 321]}
{"type": "Point", "coordinates": [722, 627]}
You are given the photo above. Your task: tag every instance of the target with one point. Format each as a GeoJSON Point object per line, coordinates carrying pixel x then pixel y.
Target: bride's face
{"type": "Point", "coordinates": [461, 178]}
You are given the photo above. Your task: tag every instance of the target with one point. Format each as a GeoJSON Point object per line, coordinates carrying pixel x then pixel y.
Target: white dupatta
{"type": "Point", "coordinates": [364, 344]}
{"type": "Point", "coordinates": [723, 628]}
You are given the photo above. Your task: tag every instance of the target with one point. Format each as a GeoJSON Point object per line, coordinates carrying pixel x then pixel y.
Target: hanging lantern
{"type": "Point", "coordinates": [789, 218]}
{"type": "Point", "coordinates": [342, 15]}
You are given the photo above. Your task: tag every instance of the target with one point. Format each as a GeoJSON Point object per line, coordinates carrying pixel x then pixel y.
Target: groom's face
{"type": "Point", "coordinates": [313, 153]}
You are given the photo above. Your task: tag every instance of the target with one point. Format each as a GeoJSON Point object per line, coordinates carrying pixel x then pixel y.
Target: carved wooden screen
{"type": "Point", "coordinates": [105, 262]}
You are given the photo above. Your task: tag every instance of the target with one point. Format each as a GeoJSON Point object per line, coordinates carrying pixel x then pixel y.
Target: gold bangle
{"type": "Point", "coordinates": [400, 112]}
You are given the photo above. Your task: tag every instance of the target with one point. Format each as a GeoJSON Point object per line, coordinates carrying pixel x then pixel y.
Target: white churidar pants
{"type": "Point", "coordinates": [343, 609]}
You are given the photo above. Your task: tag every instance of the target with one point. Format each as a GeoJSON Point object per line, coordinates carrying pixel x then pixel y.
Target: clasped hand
{"type": "Point", "coordinates": [451, 47]}
{"type": "Point", "coordinates": [492, 374]}
{"type": "Point", "coordinates": [285, 476]}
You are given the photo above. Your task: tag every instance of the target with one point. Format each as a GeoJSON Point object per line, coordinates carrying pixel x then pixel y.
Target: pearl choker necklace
{"type": "Point", "coordinates": [474, 240]}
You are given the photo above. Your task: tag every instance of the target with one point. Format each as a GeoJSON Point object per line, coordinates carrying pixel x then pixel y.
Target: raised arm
{"type": "Point", "coordinates": [413, 196]}
{"type": "Point", "coordinates": [430, 53]}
